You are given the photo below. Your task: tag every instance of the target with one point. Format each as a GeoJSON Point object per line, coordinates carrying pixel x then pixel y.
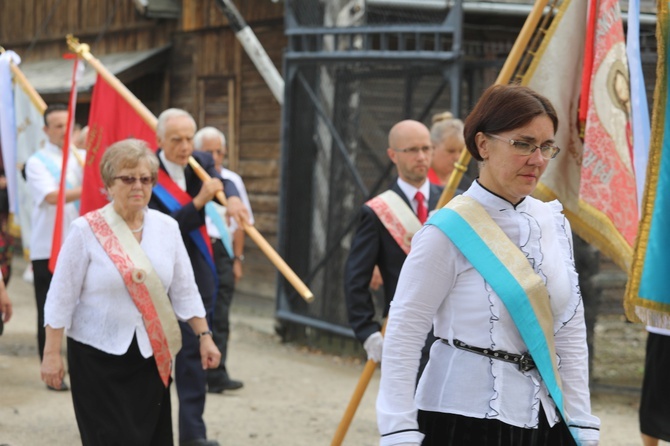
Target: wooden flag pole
{"type": "Point", "coordinates": [20, 78]}
{"type": "Point", "coordinates": [461, 167]}
{"type": "Point", "coordinates": [33, 95]}
{"type": "Point", "coordinates": [83, 50]}
{"type": "Point", "coordinates": [260, 241]}
{"type": "Point", "coordinates": [503, 78]}
{"type": "Point", "coordinates": [356, 398]}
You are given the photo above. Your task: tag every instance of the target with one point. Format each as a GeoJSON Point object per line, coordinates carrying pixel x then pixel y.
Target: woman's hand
{"type": "Point", "coordinates": [52, 369]}
{"type": "Point", "coordinates": [209, 353]}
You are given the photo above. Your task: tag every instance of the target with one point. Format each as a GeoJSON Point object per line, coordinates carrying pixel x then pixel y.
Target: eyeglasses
{"type": "Point", "coordinates": [415, 150]}
{"type": "Point", "coordinates": [527, 148]}
{"type": "Point", "coordinates": [131, 180]}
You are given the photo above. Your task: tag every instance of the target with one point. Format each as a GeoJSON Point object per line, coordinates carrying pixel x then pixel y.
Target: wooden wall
{"type": "Point", "coordinates": [208, 74]}
{"type": "Point", "coordinates": [213, 78]}
{"type": "Point", "coordinates": [36, 29]}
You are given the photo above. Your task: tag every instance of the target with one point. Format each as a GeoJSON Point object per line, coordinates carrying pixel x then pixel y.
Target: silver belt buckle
{"type": "Point", "coordinates": [526, 362]}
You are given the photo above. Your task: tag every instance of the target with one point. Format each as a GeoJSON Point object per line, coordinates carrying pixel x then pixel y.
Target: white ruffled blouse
{"type": "Point", "coordinates": [439, 287]}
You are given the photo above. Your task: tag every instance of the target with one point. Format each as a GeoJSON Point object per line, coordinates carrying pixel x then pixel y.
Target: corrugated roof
{"type": "Point", "coordinates": [54, 76]}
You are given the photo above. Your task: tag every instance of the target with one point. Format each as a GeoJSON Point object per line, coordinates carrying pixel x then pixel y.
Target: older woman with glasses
{"type": "Point", "coordinates": [122, 281]}
{"type": "Point", "coordinates": [493, 272]}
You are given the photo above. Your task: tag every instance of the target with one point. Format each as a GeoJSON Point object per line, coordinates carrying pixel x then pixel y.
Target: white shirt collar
{"type": "Point", "coordinates": [175, 170]}
{"type": "Point", "coordinates": [52, 147]}
{"type": "Point", "coordinates": [410, 190]}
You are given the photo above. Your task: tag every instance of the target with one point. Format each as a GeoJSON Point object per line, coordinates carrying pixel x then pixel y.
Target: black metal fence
{"type": "Point", "coordinates": [350, 75]}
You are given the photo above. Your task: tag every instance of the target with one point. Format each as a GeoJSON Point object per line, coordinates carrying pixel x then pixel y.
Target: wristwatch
{"type": "Point", "coordinates": [204, 333]}
{"type": "Point", "coordinates": [240, 258]}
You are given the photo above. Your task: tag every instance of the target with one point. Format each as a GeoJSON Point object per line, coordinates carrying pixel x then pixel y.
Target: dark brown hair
{"type": "Point", "coordinates": [502, 108]}
{"type": "Point", "coordinates": [53, 108]}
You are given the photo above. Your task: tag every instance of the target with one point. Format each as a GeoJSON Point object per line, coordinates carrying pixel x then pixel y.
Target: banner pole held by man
{"type": "Point", "coordinates": [83, 51]}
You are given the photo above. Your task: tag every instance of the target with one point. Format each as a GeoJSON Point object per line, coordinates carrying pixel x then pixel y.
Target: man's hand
{"type": "Point", "coordinates": [376, 280]}
{"type": "Point", "coordinates": [207, 192]}
{"type": "Point", "coordinates": [238, 211]}
{"type": "Point", "coordinates": [373, 346]}
{"type": "Point", "coordinates": [237, 270]}
{"type": "Point", "coordinates": [210, 355]}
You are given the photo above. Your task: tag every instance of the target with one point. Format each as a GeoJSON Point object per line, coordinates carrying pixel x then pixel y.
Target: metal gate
{"type": "Point", "coordinates": [352, 70]}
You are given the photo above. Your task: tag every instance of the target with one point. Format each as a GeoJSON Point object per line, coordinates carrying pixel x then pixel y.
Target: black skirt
{"type": "Point", "coordinates": [444, 429]}
{"type": "Point", "coordinates": [118, 400]}
{"type": "Point", "coordinates": [655, 401]}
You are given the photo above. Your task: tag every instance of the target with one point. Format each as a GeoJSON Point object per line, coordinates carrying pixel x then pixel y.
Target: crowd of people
{"type": "Point", "coordinates": [484, 341]}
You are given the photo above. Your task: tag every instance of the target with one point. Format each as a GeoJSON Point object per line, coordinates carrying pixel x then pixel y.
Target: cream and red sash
{"type": "Point", "coordinates": [397, 217]}
{"type": "Point", "coordinates": [142, 283]}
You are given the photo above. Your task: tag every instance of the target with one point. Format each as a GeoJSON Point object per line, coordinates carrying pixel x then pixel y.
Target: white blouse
{"type": "Point", "coordinates": [88, 298]}
{"type": "Point", "coordinates": [439, 287]}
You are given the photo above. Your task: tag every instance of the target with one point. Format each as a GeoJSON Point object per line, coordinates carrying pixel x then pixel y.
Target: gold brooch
{"type": "Point", "coordinates": [139, 276]}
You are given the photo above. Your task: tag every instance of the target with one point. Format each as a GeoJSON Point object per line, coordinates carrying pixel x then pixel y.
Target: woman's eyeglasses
{"type": "Point", "coordinates": [527, 148]}
{"type": "Point", "coordinates": [131, 180]}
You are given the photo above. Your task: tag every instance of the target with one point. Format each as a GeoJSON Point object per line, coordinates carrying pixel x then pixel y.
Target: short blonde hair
{"type": "Point", "coordinates": [127, 153]}
{"type": "Point", "coordinates": [444, 124]}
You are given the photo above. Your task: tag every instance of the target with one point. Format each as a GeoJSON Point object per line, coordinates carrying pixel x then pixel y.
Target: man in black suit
{"type": "Point", "coordinates": [186, 198]}
{"type": "Point", "coordinates": [410, 149]}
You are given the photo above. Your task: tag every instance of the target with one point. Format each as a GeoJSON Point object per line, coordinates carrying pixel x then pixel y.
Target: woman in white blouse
{"type": "Point", "coordinates": [122, 280]}
{"type": "Point", "coordinates": [494, 274]}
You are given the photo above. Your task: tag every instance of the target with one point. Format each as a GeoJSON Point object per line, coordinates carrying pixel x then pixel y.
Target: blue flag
{"type": "Point", "coordinates": [647, 298]}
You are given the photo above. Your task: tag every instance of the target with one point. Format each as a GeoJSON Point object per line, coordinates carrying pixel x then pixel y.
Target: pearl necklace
{"type": "Point", "coordinates": [135, 231]}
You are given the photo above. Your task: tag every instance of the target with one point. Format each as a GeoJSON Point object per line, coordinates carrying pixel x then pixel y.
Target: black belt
{"type": "Point", "coordinates": [524, 360]}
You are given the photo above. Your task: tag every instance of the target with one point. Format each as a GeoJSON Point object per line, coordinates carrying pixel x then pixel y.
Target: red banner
{"type": "Point", "coordinates": [57, 240]}
{"type": "Point", "coordinates": [111, 119]}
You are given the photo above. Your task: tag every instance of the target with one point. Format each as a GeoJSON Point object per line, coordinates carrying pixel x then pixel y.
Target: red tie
{"type": "Point", "coordinates": [421, 209]}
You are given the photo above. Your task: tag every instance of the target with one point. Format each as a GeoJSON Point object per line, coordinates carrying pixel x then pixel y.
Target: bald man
{"type": "Point", "coordinates": [405, 205]}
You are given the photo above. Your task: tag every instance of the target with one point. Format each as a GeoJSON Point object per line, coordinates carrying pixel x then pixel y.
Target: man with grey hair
{"type": "Point", "coordinates": [180, 193]}
{"type": "Point", "coordinates": [228, 256]}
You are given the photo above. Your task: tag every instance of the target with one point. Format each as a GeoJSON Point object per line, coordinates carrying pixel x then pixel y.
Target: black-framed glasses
{"type": "Point", "coordinates": [526, 148]}
{"type": "Point", "coordinates": [415, 150]}
{"type": "Point", "coordinates": [125, 179]}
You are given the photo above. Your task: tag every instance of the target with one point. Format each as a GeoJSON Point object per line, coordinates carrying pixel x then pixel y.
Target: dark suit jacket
{"type": "Point", "coordinates": [373, 245]}
{"type": "Point", "coordinates": [189, 219]}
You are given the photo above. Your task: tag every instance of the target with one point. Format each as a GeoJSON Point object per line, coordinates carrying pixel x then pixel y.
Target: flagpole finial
{"type": "Point", "coordinates": [76, 47]}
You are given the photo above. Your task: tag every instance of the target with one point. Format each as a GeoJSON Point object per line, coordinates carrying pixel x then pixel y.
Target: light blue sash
{"type": "Point", "coordinates": [55, 172]}
{"type": "Point", "coordinates": [210, 210]}
{"type": "Point", "coordinates": [472, 230]}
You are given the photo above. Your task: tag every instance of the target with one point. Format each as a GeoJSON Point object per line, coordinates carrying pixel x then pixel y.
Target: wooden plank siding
{"type": "Point", "coordinates": [211, 56]}
{"type": "Point", "coordinates": [208, 74]}
{"type": "Point", "coordinates": [36, 29]}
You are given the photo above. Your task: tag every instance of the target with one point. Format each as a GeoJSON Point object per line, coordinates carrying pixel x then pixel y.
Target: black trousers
{"type": "Point", "coordinates": [41, 281]}
{"type": "Point", "coordinates": [191, 387]}
{"type": "Point", "coordinates": [221, 317]}
{"type": "Point", "coordinates": [444, 429]}
{"type": "Point", "coordinates": [118, 399]}
{"type": "Point", "coordinates": [654, 403]}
